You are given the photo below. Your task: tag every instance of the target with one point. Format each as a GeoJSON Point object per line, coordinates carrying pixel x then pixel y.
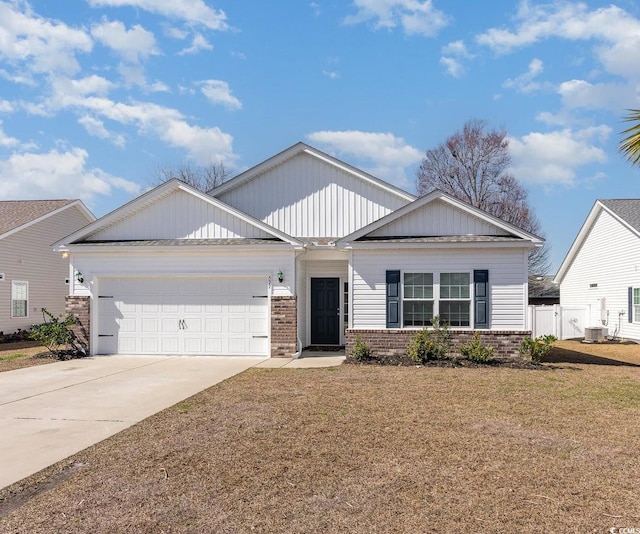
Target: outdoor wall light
{"type": "Point", "coordinates": [280, 276]}
{"type": "Point", "coordinates": [79, 277]}
{"type": "Point", "coordinates": [65, 255]}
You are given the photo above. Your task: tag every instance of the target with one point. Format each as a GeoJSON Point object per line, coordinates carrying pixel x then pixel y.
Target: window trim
{"type": "Point", "coordinates": [14, 283]}
{"type": "Point", "coordinates": [436, 298]}
{"type": "Point", "coordinates": [636, 305]}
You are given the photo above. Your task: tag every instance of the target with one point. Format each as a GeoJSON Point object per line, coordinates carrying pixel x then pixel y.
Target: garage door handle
{"type": "Point", "coordinates": [261, 337]}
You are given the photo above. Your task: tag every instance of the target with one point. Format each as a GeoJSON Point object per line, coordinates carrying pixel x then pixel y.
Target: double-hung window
{"type": "Point", "coordinates": [636, 304]}
{"type": "Point", "coordinates": [455, 299]}
{"type": "Point", "coordinates": [19, 299]}
{"type": "Point", "coordinates": [417, 304]}
{"type": "Point", "coordinates": [445, 294]}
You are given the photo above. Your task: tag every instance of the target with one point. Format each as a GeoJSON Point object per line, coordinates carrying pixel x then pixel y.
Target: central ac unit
{"type": "Point", "coordinates": [592, 334]}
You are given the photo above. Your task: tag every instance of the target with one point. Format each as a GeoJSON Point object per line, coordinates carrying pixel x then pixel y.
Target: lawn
{"type": "Point", "coordinates": [366, 449]}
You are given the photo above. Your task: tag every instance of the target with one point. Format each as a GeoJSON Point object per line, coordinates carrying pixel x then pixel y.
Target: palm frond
{"type": "Point", "coordinates": [630, 145]}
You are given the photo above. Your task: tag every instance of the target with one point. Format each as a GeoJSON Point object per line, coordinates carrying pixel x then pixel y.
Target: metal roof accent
{"type": "Point", "coordinates": [183, 242]}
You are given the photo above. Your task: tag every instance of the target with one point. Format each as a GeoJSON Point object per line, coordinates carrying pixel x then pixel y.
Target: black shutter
{"type": "Point", "coordinates": [393, 299]}
{"type": "Point", "coordinates": [630, 304]}
{"type": "Point", "coordinates": [481, 298]}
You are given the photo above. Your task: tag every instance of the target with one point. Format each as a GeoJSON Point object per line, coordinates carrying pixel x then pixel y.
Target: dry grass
{"type": "Point", "coordinates": [368, 449]}
{"type": "Point", "coordinates": [22, 354]}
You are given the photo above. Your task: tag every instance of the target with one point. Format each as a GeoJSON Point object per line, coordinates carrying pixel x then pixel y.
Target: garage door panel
{"type": "Point", "coordinates": [183, 316]}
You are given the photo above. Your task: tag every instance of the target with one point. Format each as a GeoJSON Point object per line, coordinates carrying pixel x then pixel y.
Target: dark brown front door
{"type": "Point", "coordinates": [325, 311]}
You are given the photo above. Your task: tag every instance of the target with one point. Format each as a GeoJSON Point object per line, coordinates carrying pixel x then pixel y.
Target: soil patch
{"type": "Point", "coordinates": [20, 354]}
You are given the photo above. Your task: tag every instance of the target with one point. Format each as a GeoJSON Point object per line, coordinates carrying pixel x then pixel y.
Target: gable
{"type": "Point", "coordinates": [178, 215]}
{"type": "Point", "coordinates": [438, 218]}
{"type": "Point", "coordinates": [309, 194]}
{"type": "Point", "coordinates": [618, 216]}
{"type": "Point", "coordinates": [17, 215]}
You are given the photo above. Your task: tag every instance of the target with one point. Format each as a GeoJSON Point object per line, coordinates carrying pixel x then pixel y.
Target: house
{"type": "Point", "coordinates": [301, 250]}
{"type": "Point", "coordinates": [601, 272]}
{"type": "Point", "coordinates": [543, 291]}
{"type": "Point", "coordinates": [32, 276]}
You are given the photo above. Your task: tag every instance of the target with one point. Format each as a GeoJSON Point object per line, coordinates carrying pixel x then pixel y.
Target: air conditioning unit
{"type": "Point", "coordinates": [592, 334]}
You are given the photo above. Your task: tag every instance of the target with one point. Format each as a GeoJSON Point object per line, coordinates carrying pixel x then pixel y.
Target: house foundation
{"type": "Point", "coordinates": [284, 326]}
{"type": "Point", "coordinates": [394, 342]}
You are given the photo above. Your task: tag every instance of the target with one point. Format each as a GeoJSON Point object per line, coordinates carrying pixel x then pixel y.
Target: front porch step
{"type": "Point", "coordinates": [325, 348]}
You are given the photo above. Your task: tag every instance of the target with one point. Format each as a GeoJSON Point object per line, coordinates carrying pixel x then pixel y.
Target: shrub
{"type": "Point", "coordinates": [476, 351]}
{"type": "Point", "coordinates": [536, 349]}
{"type": "Point", "coordinates": [56, 334]}
{"type": "Point", "coordinates": [360, 351]}
{"type": "Point", "coordinates": [430, 344]}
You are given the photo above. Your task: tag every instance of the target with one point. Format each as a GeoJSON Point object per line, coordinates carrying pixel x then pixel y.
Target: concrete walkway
{"type": "Point", "coordinates": [50, 412]}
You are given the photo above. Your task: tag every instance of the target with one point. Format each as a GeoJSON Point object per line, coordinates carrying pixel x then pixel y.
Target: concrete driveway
{"type": "Point", "coordinates": [50, 412]}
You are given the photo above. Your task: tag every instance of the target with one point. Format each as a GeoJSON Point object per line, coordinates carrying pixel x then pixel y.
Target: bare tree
{"type": "Point", "coordinates": [203, 178]}
{"type": "Point", "coordinates": [472, 165]}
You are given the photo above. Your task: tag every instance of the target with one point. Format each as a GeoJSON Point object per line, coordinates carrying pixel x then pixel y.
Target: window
{"type": "Point", "coordinates": [455, 298]}
{"type": "Point", "coordinates": [19, 298]}
{"type": "Point", "coordinates": [636, 304]}
{"type": "Point", "coordinates": [345, 291]}
{"type": "Point", "coordinates": [417, 303]}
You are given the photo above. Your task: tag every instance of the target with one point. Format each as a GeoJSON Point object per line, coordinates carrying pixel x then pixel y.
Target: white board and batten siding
{"type": "Point", "coordinates": [607, 264]}
{"type": "Point", "coordinates": [180, 215]}
{"type": "Point", "coordinates": [507, 281]}
{"type": "Point", "coordinates": [438, 218]}
{"type": "Point", "coordinates": [306, 197]}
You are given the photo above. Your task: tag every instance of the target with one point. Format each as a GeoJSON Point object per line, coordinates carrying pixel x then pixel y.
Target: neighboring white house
{"type": "Point", "coordinates": [32, 276]}
{"type": "Point", "coordinates": [601, 271]}
{"type": "Point", "coordinates": [301, 250]}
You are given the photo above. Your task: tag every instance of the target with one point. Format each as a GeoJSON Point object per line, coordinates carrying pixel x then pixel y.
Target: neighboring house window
{"type": "Point", "coordinates": [19, 298]}
{"type": "Point", "coordinates": [419, 304]}
{"type": "Point", "coordinates": [636, 304]}
{"type": "Point", "coordinates": [346, 303]}
{"type": "Point", "coordinates": [455, 298]}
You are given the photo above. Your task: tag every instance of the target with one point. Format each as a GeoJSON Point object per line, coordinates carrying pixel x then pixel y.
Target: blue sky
{"type": "Point", "coordinates": [95, 95]}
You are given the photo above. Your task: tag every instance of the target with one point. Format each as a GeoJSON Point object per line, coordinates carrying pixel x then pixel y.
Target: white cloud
{"type": "Point", "coordinates": [96, 128]}
{"type": "Point", "coordinates": [7, 141]}
{"type": "Point", "coordinates": [616, 31]}
{"type": "Point", "coordinates": [316, 8]}
{"type": "Point", "coordinates": [156, 87]}
{"type": "Point", "coordinates": [133, 45]}
{"type": "Point", "coordinates": [195, 12]}
{"type": "Point", "coordinates": [525, 82]}
{"type": "Point", "coordinates": [413, 16]}
{"type": "Point", "coordinates": [44, 175]}
{"type": "Point", "coordinates": [6, 106]}
{"type": "Point", "coordinates": [34, 44]}
{"type": "Point", "coordinates": [388, 155]}
{"type": "Point", "coordinates": [582, 94]}
{"type": "Point", "coordinates": [555, 157]}
{"type": "Point", "coordinates": [453, 66]}
{"type": "Point", "coordinates": [218, 92]}
{"type": "Point", "coordinates": [198, 43]}
{"type": "Point", "coordinates": [332, 74]}
{"type": "Point", "coordinates": [452, 54]}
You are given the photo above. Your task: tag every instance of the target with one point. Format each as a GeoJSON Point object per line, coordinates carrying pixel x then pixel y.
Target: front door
{"type": "Point", "coordinates": [325, 311]}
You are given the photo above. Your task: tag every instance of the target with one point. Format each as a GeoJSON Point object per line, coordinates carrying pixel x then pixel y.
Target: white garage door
{"type": "Point", "coordinates": [218, 316]}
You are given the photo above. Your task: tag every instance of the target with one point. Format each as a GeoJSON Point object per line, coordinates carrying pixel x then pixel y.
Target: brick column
{"type": "Point", "coordinates": [80, 308]}
{"type": "Point", "coordinates": [284, 327]}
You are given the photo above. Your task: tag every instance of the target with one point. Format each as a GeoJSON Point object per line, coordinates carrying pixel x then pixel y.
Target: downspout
{"type": "Point", "coordinates": [297, 354]}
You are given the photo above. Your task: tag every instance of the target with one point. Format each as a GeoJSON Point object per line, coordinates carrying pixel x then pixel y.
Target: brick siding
{"type": "Point", "coordinates": [394, 342]}
{"type": "Point", "coordinates": [284, 327]}
{"type": "Point", "coordinates": [80, 308]}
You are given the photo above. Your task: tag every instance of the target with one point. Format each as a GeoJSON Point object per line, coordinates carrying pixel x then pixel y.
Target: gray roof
{"type": "Point", "coordinates": [15, 213]}
{"type": "Point", "coordinates": [627, 209]}
{"type": "Point", "coordinates": [183, 242]}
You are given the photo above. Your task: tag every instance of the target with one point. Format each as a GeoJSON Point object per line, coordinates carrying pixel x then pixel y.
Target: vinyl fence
{"type": "Point", "coordinates": [563, 322]}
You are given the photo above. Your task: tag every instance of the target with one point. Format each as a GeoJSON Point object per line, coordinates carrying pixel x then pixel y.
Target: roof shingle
{"type": "Point", "coordinates": [15, 213]}
{"type": "Point", "coordinates": [627, 209]}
